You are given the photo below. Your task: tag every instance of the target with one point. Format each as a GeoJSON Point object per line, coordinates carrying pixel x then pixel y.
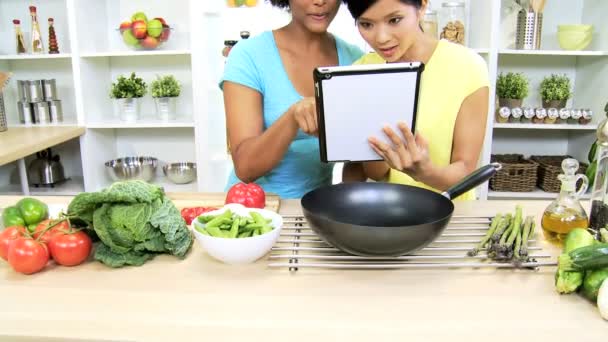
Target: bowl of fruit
{"type": "Point", "coordinates": [141, 33]}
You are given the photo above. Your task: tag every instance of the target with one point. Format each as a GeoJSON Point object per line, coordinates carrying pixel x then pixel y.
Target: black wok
{"type": "Point", "coordinates": [384, 219]}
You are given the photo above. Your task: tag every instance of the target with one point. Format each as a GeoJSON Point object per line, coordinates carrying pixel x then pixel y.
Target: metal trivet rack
{"type": "Point", "coordinates": [299, 247]}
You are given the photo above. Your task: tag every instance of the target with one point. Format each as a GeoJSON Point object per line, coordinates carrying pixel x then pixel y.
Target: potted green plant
{"type": "Point", "coordinates": [165, 90]}
{"type": "Point", "coordinates": [555, 91]}
{"type": "Point", "coordinates": [128, 92]}
{"type": "Point", "coordinates": [511, 89]}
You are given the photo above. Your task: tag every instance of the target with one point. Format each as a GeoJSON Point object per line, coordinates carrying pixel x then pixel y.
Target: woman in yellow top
{"type": "Point", "coordinates": [452, 104]}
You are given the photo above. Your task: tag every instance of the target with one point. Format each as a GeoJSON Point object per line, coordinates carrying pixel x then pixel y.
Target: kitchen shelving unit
{"type": "Point", "coordinates": [93, 55]}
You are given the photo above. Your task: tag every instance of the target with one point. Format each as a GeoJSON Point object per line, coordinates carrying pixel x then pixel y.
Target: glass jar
{"type": "Point", "coordinates": [452, 22]}
{"type": "Point", "coordinates": [429, 23]}
{"type": "Point", "coordinates": [528, 115]}
{"type": "Point", "coordinates": [540, 115]}
{"type": "Point", "coordinates": [503, 114]}
{"type": "Point", "coordinates": [575, 115]}
{"type": "Point", "coordinates": [552, 116]}
{"type": "Point", "coordinates": [586, 118]}
{"type": "Point", "coordinates": [564, 115]}
{"type": "Point", "coordinates": [516, 114]}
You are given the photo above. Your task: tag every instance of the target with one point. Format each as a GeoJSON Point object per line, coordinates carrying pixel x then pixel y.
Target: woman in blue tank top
{"type": "Point", "coordinates": [269, 100]}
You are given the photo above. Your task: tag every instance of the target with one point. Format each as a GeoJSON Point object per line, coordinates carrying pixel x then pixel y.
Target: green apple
{"type": "Point", "coordinates": [155, 28]}
{"type": "Point", "coordinates": [139, 16]}
{"type": "Point", "coordinates": [129, 38]}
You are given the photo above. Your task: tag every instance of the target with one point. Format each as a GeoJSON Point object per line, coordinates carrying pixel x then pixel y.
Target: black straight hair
{"type": "Point", "coordinates": [280, 3]}
{"type": "Point", "coordinates": [358, 7]}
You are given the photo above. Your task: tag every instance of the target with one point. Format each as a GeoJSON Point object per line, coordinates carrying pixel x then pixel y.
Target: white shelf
{"type": "Point", "coordinates": [482, 51]}
{"type": "Point", "coordinates": [71, 187]}
{"type": "Point", "coordinates": [59, 124]}
{"type": "Point", "coordinates": [135, 53]}
{"type": "Point", "coordinates": [35, 57]}
{"type": "Point", "coordinates": [575, 127]}
{"type": "Point", "coordinates": [537, 194]}
{"type": "Point", "coordinates": [141, 124]}
{"type": "Point", "coordinates": [552, 52]}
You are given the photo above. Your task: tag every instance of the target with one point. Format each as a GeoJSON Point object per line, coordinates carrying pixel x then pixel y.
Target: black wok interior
{"type": "Point", "coordinates": [377, 204]}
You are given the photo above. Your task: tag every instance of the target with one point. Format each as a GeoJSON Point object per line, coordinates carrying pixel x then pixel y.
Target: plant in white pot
{"type": "Point", "coordinates": [128, 92]}
{"type": "Point", "coordinates": [511, 89]}
{"type": "Point", "coordinates": [555, 91]}
{"type": "Point", "coordinates": [165, 91]}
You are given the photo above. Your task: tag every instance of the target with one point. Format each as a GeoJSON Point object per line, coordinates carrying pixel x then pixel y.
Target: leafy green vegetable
{"type": "Point", "coordinates": [134, 221]}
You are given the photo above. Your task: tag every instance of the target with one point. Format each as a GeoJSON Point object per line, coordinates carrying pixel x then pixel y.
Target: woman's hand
{"type": "Point", "coordinates": [409, 155]}
{"type": "Point", "coordinates": [304, 113]}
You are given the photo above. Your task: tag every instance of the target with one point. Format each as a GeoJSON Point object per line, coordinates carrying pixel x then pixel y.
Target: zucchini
{"type": "Point", "coordinates": [585, 258]}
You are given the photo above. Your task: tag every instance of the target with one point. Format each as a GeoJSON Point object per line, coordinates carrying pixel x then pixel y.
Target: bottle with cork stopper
{"type": "Point", "coordinates": [20, 47]}
{"type": "Point", "coordinates": [37, 46]}
{"type": "Point", "coordinates": [53, 45]}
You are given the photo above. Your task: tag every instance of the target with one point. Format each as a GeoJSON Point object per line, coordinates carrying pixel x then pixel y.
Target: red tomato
{"type": "Point", "coordinates": [60, 227]}
{"type": "Point", "coordinates": [189, 214]}
{"type": "Point", "coordinates": [6, 236]}
{"type": "Point", "coordinates": [70, 249]}
{"type": "Point", "coordinates": [250, 195]}
{"type": "Point", "coordinates": [27, 256]}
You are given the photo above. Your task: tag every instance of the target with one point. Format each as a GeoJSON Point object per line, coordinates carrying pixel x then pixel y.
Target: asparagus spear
{"type": "Point", "coordinates": [482, 244]}
{"type": "Point", "coordinates": [506, 246]}
{"type": "Point", "coordinates": [521, 242]}
{"type": "Point", "coordinates": [527, 232]}
{"type": "Point", "coordinates": [504, 224]}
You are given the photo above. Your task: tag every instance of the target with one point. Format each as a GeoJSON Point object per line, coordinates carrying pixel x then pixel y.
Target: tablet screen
{"type": "Point", "coordinates": [355, 105]}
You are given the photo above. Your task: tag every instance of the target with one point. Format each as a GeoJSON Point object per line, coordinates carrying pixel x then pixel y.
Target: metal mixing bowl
{"type": "Point", "coordinates": [129, 168]}
{"type": "Point", "coordinates": [180, 173]}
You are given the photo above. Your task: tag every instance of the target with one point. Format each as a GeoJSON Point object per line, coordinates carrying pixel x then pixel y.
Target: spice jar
{"type": "Point", "coordinates": [228, 44]}
{"type": "Point", "coordinates": [528, 115]}
{"type": "Point", "coordinates": [540, 115]}
{"type": "Point", "coordinates": [566, 212]}
{"type": "Point", "coordinates": [503, 114]}
{"type": "Point", "coordinates": [516, 114]}
{"type": "Point", "coordinates": [575, 115]}
{"type": "Point", "coordinates": [552, 116]}
{"type": "Point", "coordinates": [452, 22]}
{"type": "Point", "coordinates": [19, 38]}
{"type": "Point", "coordinates": [564, 115]}
{"type": "Point", "coordinates": [429, 23]}
{"type": "Point", "coordinates": [586, 118]}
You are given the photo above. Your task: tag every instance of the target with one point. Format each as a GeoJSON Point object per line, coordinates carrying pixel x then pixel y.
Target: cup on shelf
{"type": "Point", "coordinates": [25, 112]}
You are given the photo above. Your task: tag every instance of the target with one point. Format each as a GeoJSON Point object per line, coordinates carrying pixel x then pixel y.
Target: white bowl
{"type": "Point", "coordinates": [239, 250]}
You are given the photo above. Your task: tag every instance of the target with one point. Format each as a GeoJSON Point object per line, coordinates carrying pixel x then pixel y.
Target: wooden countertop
{"type": "Point", "coordinates": [204, 300]}
{"type": "Point", "coordinates": [19, 142]}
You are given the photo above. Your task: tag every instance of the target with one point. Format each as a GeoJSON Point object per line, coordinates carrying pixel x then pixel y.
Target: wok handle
{"type": "Point", "coordinates": [471, 181]}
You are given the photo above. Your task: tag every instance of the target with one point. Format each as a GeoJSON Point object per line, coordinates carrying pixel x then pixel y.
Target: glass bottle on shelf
{"type": "Point", "coordinates": [566, 212]}
{"type": "Point", "coordinates": [452, 22]}
{"type": "Point", "coordinates": [599, 195]}
{"type": "Point", "coordinates": [53, 45]}
{"type": "Point", "coordinates": [36, 41]}
{"type": "Point", "coordinates": [20, 47]}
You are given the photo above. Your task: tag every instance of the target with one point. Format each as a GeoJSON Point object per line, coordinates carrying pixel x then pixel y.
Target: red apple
{"type": "Point", "coordinates": [125, 25]}
{"type": "Point", "coordinates": [139, 29]}
{"type": "Point", "coordinates": [149, 42]}
{"type": "Point", "coordinates": [164, 36]}
{"type": "Point", "coordinates": [161, 20]}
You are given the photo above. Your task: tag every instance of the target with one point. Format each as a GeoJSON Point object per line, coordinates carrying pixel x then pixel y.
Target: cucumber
{"type": "Point", "coordinates": [586, 258]}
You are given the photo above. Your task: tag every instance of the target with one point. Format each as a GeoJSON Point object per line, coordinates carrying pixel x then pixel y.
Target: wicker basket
{"type": "Point", "coordinates": [517, 174]}
{"type": "Point", "coordinates": [549, 167]}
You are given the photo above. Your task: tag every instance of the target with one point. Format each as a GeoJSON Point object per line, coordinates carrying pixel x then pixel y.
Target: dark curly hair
{"type": "Point", "coordinates": [357, 7]}
{"type": "Point", "coordinates": [279, 3]}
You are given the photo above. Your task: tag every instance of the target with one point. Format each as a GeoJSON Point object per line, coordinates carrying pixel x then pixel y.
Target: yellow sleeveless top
{"type": "Point", "coordinates": [452, 73]}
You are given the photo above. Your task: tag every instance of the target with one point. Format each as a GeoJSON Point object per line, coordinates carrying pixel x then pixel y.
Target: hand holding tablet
{"type": "Point", "coordinates": [356, 102]}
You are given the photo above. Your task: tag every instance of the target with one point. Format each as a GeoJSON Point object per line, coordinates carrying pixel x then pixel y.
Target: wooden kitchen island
{"type": "Point", "coordinates": [200, 299]}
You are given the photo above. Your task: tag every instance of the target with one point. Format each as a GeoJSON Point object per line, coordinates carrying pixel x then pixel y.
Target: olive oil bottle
{"type": "Point", "coordinates": [565, 212]}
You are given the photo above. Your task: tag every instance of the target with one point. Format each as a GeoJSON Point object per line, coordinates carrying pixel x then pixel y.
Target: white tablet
{"type": "Point", "coordinates": [355, 102]}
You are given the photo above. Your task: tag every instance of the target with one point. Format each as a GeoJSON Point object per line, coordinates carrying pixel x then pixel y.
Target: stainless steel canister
{"type": "Point", "coordinates": [25, 112]}
{"type": "Point", "coordinates": [41, 112]}
{"type": "Point", "coordinates": [35, 93]}
{"type": "Point", "coordinates": [49, 89]}
{"type": "Point", "coordinates": [56, 111]}
{"type": "Point", "coordinates": [22, 90]}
